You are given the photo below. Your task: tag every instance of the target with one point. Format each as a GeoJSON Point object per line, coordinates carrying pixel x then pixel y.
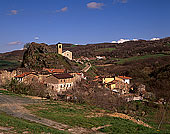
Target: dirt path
{"type": "Point", "coordinates": [106, 65]}
{"type": "Point", "coordinates": [120, 115]}
{"type": "Point", "coordinates": [14, 106]}
{"type": "Point", "coordinates": [88, 66]}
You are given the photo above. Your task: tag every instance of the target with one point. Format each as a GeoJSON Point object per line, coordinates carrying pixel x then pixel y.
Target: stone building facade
{"type": "Point", "coordinates": [66, 53]}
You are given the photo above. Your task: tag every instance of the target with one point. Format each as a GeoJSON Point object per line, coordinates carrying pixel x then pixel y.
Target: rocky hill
{"type": "Point", "coordinates": [123, 50]}
{"type": "Point", "coordinates": [41, 55]}
{"type": "Point", "coordinates": [110, 50]}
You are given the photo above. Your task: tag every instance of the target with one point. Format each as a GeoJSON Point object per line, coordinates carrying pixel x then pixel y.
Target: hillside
{"type": "Point", "coordinates": [11, 60]}
{"type": "Point", "coordinates": [63, 117]}
{"type": "Point", "coordinates": [112, 50]}
{"type": "Point", "coordinates": [147, 62]}
{"type": "Point", "coordinates": [14, 55]}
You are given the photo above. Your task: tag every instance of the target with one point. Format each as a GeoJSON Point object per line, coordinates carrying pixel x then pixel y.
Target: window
{"type": "Point", "coordinates": [61, 80]}
{"type": "Point", "coordinates": [59, 46]}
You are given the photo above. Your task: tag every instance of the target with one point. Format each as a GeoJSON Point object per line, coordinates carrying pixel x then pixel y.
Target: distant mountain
{"type": "Point", "coordinates": [110, 50]}
{"type": "Point", "coordinates": [13, 55]}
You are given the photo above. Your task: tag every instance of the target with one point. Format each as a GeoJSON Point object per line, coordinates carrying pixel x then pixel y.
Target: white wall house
{"type": "Point", "coordinates": [68, 54]}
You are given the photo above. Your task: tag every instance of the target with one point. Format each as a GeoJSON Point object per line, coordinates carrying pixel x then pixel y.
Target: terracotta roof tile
{"type": "Point", "coordinates": [52, 70]}
{"type": "Point", "coordinates": [97, 76]}
{"type": "Point", "coordinates": [95, 80]}
{"type": "Point", "coordinates": [124, 77]}
{"type": "Point", "coordinates": [23, 75]}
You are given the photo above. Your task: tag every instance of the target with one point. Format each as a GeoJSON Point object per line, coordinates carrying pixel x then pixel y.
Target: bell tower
{"type": "Point", "coordinates": [59, 48]}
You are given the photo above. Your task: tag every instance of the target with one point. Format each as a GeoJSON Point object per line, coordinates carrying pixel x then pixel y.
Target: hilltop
{"type": "Point", "coordinates": [38, 56]}
{"type": "Point", "coordinates": [122, 50]}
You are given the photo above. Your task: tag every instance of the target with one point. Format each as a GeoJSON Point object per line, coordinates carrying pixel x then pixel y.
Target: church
{"type": "Point", "coordinates": [66, 53]}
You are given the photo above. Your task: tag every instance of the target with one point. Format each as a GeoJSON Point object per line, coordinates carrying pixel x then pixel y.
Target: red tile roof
{"type": "Point", "coordinates": [23, 75]}
{"type": "Point", "coordinates": [97, 76]}
{"type": "Point", "coordinates": [95, 80]}
{"type": "Point", "coordinates": [124, 77]}
{"type": "Point", "coordinates": [52, 70]}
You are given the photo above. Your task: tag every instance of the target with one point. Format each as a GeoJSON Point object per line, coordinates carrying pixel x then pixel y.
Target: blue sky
{"type": "Point", "coordinates": [81, 21]}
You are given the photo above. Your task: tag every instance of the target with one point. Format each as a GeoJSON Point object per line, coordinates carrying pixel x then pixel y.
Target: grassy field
{"type": "Point", "coordinates": [105, 49]}
{"type": "Point", "coordinates": [19, 126]}
{"type": "Point", "coordinates": [122, 61]}
{"type": "Point", "coordinates": [168, 44]}
{"type": "Point", "coordinates": [153, 114]}
{"type": "Point", "coordinates": [4, 64]}
{"type": "Point", "coordinates": [80, 115]}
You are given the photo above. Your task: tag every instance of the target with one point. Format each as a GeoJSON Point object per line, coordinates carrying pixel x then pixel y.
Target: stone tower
{"type": "Point", "coordinates": [59, 48]}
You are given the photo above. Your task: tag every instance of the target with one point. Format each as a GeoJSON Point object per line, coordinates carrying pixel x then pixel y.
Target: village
{"type": "Point", "coordinates": [57, 81]}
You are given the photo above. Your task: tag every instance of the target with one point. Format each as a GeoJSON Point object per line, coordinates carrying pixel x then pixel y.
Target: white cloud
{"type": "Point", "coordinates": [13, 12]}
{"type": "Point", "coordinates": [15, 43]}
{"type": "Point", "coordinates": [95, 5]}
{"type": "Point", "coordinates": [153, 39]}
{"type": "Point", "coordinates": [36, 38]}
{"type": "Point", "coordinates": [122, 40]}
{"type": "Point", "coordinates": [120, 1]}
{"type": "Point", "coordinates": [114, 41]}
{"type": "Point", "coordinates": [135, 39]}
{"type": "Point", "coordinates": [64, 9]}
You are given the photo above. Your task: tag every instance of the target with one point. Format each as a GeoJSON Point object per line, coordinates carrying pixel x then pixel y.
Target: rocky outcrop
{"type": "Point", "coordinates": [38, 56]}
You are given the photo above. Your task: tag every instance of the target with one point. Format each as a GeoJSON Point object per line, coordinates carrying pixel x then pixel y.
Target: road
{"type": "Point", "coordinates": [87, 67]}
{"type": "Point", "coordinates": [14, 105]}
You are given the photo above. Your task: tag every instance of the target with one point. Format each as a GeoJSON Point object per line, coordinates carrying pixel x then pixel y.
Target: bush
{"type": "Point", "coordinates": [35, 88]}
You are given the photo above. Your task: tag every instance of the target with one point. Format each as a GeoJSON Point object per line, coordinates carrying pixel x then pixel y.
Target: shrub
{"type": "Point", "coordinates": [34, 88]}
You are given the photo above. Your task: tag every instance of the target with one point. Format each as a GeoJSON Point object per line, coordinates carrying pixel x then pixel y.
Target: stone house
{"type": "Point", "coordinates": [77, 77]}
{"type": "Point", "coordinates": [123, 79]}
{"type": "Point", "coordinates": [107, 80]}
{"type": "Point", "coordinates": [118, 86]}
{"type": "Point", "coordinates": [59, 82]}
{"type": "Point", "coordinates": [27, 77]}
